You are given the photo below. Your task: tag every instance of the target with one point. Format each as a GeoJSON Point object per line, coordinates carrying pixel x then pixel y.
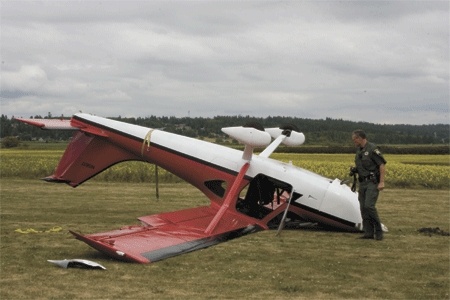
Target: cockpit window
{"type": "Point", "coordinates": [218, 187]}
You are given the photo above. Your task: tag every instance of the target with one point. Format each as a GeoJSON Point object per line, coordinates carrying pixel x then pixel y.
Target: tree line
{"type": "Point", "coordinates": [318, 132]}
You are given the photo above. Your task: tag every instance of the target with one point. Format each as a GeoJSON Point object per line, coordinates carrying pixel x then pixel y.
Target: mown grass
{"type": "Point", "coordinates": [299, 264]}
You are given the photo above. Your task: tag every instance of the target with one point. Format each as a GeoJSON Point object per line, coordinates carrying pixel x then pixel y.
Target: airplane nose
{"type": "Point", "coordinates": [343, 204]}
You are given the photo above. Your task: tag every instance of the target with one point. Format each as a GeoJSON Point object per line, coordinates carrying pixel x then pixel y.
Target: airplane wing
{"type": "Point", "coordinates": [169, 234]}
{"type": "Point", "coordinates": [178, 232]}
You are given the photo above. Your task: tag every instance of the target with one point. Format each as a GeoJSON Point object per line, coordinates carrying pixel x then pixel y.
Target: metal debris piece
{"type": "Point", "coordinates": [77, 263]}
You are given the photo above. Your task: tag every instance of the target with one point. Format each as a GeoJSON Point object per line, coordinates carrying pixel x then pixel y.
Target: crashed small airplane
{"type": "Point", "coordinates": [248, 192]}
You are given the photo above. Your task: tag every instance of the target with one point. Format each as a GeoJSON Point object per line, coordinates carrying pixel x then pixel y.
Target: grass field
{"type": "Point", "coordinates": [299, 264]}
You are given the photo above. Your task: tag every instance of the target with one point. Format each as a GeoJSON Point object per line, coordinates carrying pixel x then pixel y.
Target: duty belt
{"type": "Point", "coordinates": [366, 178]}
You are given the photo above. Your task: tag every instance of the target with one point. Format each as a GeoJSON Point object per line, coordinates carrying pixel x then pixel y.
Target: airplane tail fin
{"type": "Point", "coordinates": [89, 152]}
{"type": "Point", "coordinates": [86, 156]}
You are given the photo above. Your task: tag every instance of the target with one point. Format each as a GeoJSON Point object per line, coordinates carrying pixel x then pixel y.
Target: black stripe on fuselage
{"type": "Point", "coordinates": [324, 214]}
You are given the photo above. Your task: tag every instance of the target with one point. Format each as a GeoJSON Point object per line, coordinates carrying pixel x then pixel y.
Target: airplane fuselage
{"type": "Point", "coordinates": [202, 163]}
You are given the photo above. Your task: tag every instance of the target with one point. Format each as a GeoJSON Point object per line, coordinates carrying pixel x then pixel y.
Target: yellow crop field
{"type": "Point", "coordinates": [427, 171]}
{"type": "Point", "coordinates": [404, 171]}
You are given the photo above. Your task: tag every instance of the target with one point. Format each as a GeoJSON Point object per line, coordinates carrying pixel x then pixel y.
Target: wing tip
{"type": "Point", "coordinates": [109, 250]}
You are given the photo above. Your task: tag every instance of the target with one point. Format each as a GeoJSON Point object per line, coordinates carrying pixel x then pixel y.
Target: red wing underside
{"type": "Point", "coordinates": [169, 234]}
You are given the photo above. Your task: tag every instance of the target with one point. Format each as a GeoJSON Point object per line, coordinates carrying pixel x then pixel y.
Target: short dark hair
{"type": "Point", "coordinates": [360, 133]}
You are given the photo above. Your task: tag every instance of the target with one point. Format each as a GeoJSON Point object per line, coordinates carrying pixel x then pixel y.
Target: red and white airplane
{"type": "Point", "coordinates": [248, 192]}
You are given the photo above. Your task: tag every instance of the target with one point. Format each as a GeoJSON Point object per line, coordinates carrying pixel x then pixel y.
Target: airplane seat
{"type": "Point", "coordinates": [260, 192]}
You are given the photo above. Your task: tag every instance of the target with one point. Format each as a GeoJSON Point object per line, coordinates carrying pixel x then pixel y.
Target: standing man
{"type": "Point", "coordinates": [370, 166]}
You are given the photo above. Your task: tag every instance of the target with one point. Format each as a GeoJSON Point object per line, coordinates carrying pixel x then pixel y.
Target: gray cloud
{"type": "Point", "coordinates": [375, 61]}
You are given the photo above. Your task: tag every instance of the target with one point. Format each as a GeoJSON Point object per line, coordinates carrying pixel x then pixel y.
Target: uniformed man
{"type": "Point", "coordinates": [370, 166]}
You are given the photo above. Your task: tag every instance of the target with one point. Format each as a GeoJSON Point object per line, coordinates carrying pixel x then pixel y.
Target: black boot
{"type": "Point", "coordinates": [378, 231]}
{"type": "Point", "coordinates": [368, 230]}
{"type": "Point", "coordinates": [379, 235]}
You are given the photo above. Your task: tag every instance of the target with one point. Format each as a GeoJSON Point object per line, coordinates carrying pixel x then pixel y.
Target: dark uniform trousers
{"type": "Point", "coordinates": [367, 196]}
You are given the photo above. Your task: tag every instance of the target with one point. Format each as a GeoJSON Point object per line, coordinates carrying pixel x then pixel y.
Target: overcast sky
{"type": "Point", "coordinates": [383, 62]}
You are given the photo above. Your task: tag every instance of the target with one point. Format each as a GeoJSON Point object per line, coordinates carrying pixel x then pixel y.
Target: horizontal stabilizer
{"type": "Point", "coordinates": [49, 124]}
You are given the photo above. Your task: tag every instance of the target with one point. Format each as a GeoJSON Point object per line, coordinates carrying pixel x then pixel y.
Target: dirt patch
{"type": "Point", "coordinates": [433, 231]}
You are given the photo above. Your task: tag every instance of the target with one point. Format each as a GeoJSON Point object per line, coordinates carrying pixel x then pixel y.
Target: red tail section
{"type": "Point", "coordinates": [86, 156]}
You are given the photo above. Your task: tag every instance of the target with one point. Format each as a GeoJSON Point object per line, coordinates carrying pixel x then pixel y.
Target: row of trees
{"type": "Point", "coordinates": [323, 132]}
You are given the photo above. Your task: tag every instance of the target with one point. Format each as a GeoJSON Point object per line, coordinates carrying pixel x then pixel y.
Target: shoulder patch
{"type": "Point", "coordinates": [377, 152]}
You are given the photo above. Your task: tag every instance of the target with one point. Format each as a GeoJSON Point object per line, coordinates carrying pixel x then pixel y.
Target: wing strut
{"type": "Point", "coordinates": [274, 145]}
{"type": "Point", "coordinates": [232, 193]}
{"type": "Point", "coordinates": [283, 219]}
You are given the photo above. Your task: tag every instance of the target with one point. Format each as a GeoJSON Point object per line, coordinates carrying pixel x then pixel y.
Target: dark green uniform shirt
{"type": "Point", "coordinates": [368, 160]}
